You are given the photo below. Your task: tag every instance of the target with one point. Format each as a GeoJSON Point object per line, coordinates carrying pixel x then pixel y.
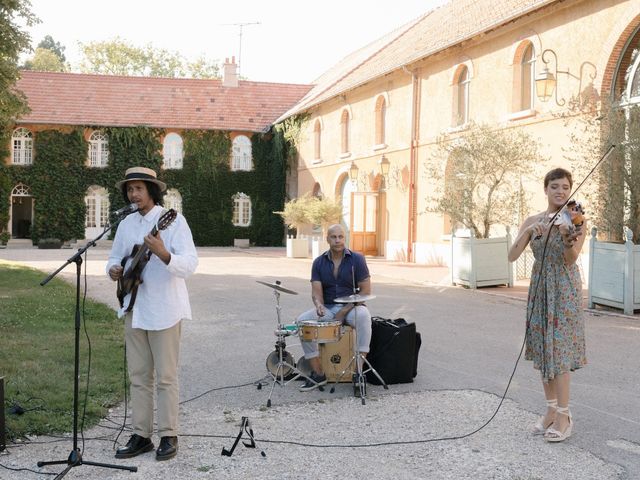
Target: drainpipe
{"type": "Point", "coordinates": [413, 162]}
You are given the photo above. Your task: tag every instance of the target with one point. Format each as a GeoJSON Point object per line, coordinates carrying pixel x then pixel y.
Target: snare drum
{"type": "Point", "coordinates": [321, 332]}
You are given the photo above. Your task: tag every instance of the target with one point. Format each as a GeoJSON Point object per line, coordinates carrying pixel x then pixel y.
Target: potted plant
{"type": "Point", "coordinates": [323, 212]}
{"type": "Point", "coordinates": [613, 206]}
{"type": "Point", "coordinates": [296, 215]}
{"type": "Point", "coordinates": [478, 176]}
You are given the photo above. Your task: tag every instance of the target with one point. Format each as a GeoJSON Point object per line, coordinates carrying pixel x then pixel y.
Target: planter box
{"type": "Point", "coordinates": [481, 262]}
{"type": "Point", "coordinates": [318, 246]}
{"type": "Point", "coordinates": [614, 273]}
{"type": "Point", "coordinates": [297, 247]}
{"type": "Point", "coordinates": [241, 243]}
{"type": "Point", "coordinates": [49, 243]}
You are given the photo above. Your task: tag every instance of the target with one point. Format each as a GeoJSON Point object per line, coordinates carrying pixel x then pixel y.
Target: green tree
{"type": "Point", "coordinates": [481, 184]}
{"type": "Point", "coordinates": [48, 57]}
{"type": "Point", "coordinates": [119, 57]}
{"type": "Point", "coordinates": [48, 43]}
{"type": "Point", "coordinates": [45, 60]}
{"type": "Point", "coordinates": [203, 68]}
{"type": "Point", "coordinates": [13, 15]}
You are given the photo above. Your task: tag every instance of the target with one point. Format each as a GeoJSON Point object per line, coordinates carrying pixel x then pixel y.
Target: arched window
{"type": "Point", "coordinates": [461, 97]}
{"type": "Point", "coordinates": [98, 149]}
{"type": "Point", "coordinates": [317, 140]}
{"type": "Point", "coordinates": [97, 212]}
{"type": "Point", "coordinates": [22, 151]}
{"type": "Point", "coordinates": [173, 199]}
{"type": "Point", "coordinates": [172, 152]}
{"type": "Point", "coordinates": [381, 117]}
{"type": "Point", "coordinates": [344, 131]}
{"type": "Point", "coordinates": [524, 72]}
{"type": "Point", "coordinates": [241, 210]}
{"type": "Point", "coordinates": [632, 90]}
{"type": "Point", "coordinates": [527, 78]}
{"type": "Point", "coordinates": [241, 153]}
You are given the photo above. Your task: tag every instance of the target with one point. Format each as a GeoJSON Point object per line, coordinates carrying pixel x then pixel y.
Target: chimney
{"type": "Point", "coordinates": [230, 73]}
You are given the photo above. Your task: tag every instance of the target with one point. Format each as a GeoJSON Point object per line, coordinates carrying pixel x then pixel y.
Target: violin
{"type": "Point", "coordinates": [571, 215]}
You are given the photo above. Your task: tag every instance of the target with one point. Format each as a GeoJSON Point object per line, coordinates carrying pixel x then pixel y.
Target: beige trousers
{"type": "Point", "coordinates": [153, 355]}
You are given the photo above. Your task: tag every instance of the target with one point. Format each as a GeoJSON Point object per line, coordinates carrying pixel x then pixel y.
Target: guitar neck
{"type": "Point", "coordinates": [143, 247]}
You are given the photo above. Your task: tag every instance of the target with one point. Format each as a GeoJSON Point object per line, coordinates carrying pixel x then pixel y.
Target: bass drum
{"type": "Point", "coordinates": [273, 359]}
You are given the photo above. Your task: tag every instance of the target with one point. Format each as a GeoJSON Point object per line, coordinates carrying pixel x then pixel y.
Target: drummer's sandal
{"type": "Point", "coordinates": [539, 428]}
{"type": "Point", "coordinates": [553, 435]}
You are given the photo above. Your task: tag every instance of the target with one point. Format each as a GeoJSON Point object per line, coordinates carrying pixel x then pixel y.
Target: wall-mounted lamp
{"type": "Point", "coordinates": [546, 81]}
{"type": "Point", "coordinates": [385, 164]}
{"type": "Point", "coordinates": [353, 172]}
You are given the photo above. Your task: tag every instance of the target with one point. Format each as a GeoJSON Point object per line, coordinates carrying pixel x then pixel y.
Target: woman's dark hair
{"type": "Point", "coordinates": [154, 192]}
{"type": "Point", "coordinates": [556, 174]}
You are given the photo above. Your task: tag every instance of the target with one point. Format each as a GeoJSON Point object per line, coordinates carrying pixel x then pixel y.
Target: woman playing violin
{"type": "Point", "coordinates": [555, 339]}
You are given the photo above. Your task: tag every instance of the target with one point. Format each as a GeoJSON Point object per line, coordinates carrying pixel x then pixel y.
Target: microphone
{"type": "Point", "coordinates": [124, 211]}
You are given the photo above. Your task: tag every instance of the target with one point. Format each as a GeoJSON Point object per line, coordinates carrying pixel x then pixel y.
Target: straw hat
{"type": "Point", "coordinates": [141, 173]}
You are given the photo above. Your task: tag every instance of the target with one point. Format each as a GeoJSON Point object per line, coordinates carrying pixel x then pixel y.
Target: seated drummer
{"type": "Point", "coordinates": [334, 274]}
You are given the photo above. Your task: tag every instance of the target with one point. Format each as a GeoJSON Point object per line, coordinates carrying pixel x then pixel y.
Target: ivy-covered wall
{"type": "Point", "coordinates": [59, 179]}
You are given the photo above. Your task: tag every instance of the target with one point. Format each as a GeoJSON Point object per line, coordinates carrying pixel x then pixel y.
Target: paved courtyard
{"type": "Point", "coordinates": [471, 341]}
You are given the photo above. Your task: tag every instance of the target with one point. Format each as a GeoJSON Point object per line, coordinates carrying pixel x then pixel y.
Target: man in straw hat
{"type": "Point", "coordinates": [152, 325]}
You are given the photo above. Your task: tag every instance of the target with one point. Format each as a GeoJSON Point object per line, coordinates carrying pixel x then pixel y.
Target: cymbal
{"type": "Point", "coordinates": [277, 286]}
{"type": "Point", "coordinates": [356, 298]}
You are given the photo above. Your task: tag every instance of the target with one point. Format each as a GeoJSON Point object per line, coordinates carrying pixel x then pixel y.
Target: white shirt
{"type": "Point", "coordinates": [162, 299]}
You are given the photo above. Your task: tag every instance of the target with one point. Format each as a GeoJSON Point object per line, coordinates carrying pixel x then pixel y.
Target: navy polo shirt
{"type": "Point", "coordinates": [352, 270]}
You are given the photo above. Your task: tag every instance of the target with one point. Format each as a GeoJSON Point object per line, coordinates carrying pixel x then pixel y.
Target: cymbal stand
{"type": "Point", "coordinates": [286, 363]}
{"type": "Point", "coordinates": [360, 359]}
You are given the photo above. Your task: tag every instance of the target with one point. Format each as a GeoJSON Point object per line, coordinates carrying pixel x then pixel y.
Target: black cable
{"type": "Point", "coordinates": [84, 324]}
{"type": "Point", "coordinates": [126, 395]}
{"type": "Point", "coordinates": [26, 470]}
{"type": "Point", "coordinates": [228, 387]}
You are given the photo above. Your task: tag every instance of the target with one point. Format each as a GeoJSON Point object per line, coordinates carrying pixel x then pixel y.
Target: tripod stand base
{"type": "Point", "coordinates": [75, 460]}
{"type": "Point", "coordinates": [360, 377]}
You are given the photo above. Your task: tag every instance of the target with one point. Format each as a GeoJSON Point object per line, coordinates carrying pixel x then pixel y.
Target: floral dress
{"type": "Point", "coordinates": [555, 326]}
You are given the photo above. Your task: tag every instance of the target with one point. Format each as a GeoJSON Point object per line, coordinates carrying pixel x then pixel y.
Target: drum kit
{"type": "Point", "coordinates": [280, 363]}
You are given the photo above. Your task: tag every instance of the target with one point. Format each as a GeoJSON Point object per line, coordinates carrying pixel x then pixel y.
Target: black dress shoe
{"type": "Point", "coordinates": [135, 446]}
{"type": "Point", "coordinates": [168, 448]}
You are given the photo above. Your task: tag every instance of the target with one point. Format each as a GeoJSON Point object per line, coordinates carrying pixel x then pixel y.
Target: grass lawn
{"type": "Point", "coordinates": [37, 340]}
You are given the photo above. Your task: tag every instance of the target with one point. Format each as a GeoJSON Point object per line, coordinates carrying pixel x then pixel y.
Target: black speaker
{"type": "Point", "coordinates": [393, 351]}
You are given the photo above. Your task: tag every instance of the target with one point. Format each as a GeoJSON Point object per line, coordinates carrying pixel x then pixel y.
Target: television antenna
{"type": "Point", "coordinates": [240, 26]}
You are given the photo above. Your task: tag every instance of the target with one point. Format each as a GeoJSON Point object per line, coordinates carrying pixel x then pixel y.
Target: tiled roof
{"type": "Point", "coordinates": [435, 31]}
{"type": "Point", "coordinates": [105, 100]}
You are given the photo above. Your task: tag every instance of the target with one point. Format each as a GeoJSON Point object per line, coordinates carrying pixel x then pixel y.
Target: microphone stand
{"type": "Point", "coordinates": [75, 457]}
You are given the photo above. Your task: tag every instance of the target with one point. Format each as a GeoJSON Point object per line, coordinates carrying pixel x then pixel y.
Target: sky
{"type": "Point", "coordinates": [292, 41]}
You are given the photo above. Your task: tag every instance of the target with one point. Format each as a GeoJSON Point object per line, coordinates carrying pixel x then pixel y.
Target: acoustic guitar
{"type": "Point", "coordinates": [134, 264]}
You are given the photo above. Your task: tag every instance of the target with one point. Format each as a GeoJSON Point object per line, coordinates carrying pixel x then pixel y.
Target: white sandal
{"type": "Point", "coordinates": [539, 428]}
{"type": "Point", "coordinates": [553, 435]}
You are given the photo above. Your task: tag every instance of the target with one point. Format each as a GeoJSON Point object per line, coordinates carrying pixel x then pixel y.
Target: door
{"type": "Point", "coordinates": [21, 211]}
{"type": "Point", "coordinates": [364, 222]}
{"type": "Point", "coordinates": [345, 195]}
{"type": "Point", "coordinates": [97, 216]}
